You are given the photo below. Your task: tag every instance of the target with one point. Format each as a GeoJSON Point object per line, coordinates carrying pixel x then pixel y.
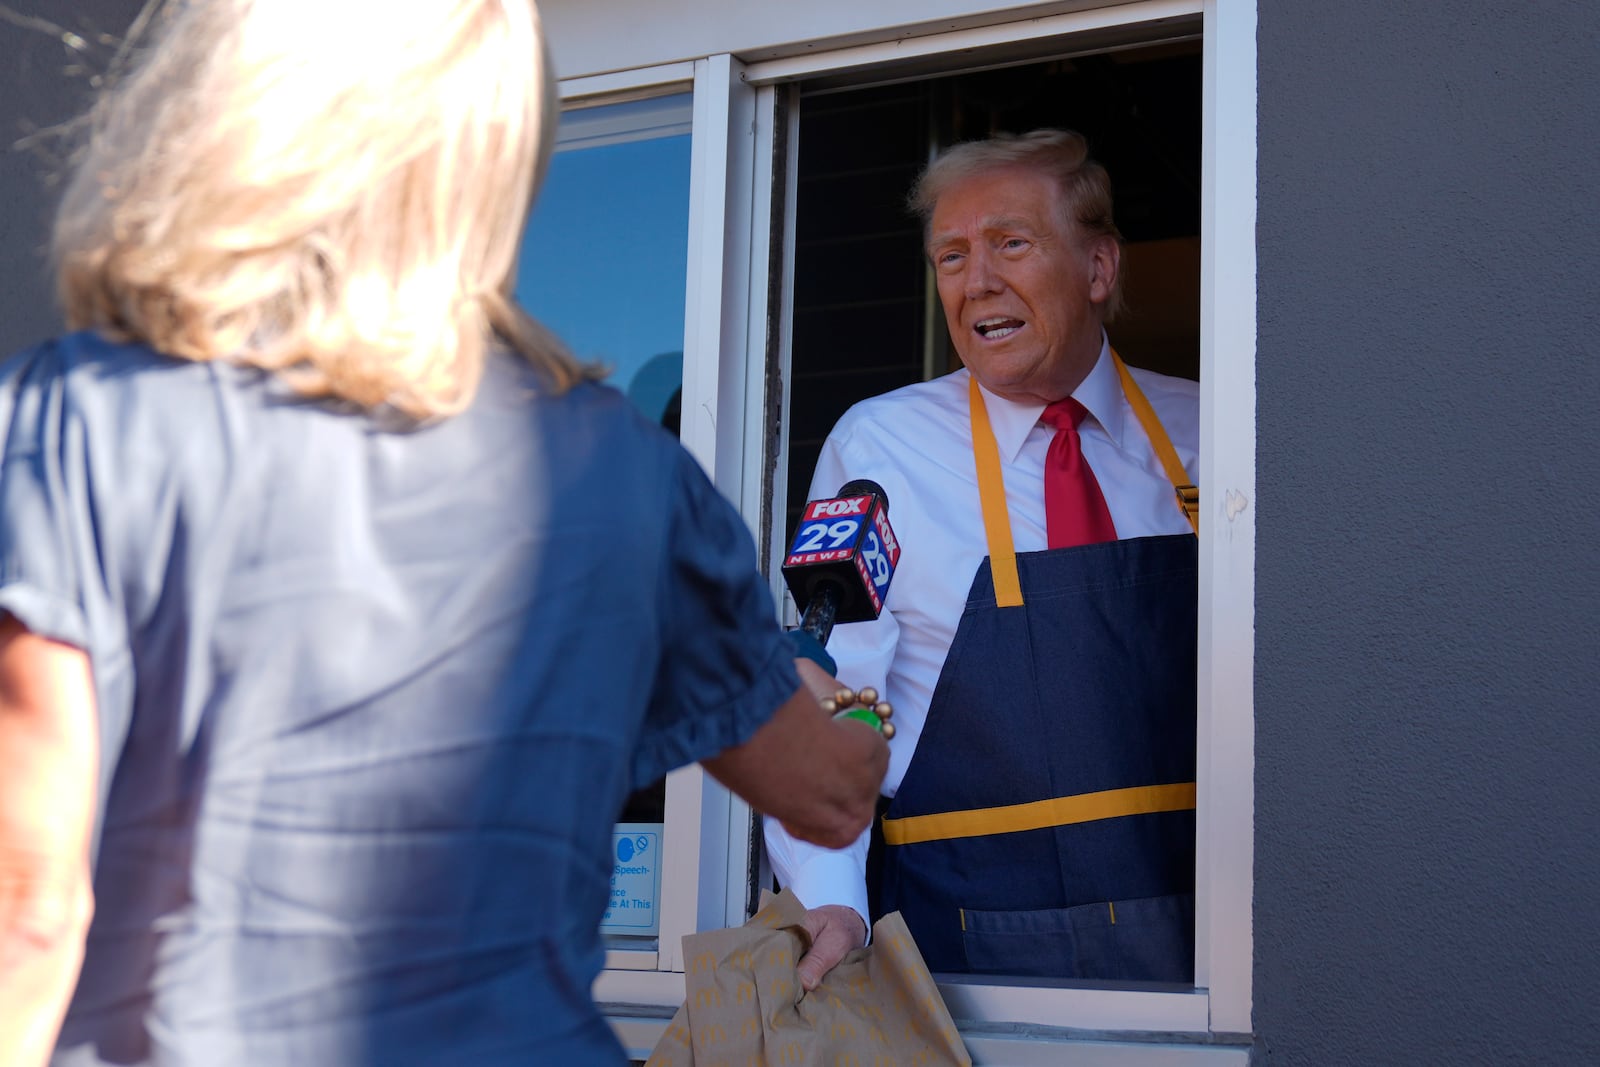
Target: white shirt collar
{"type": "Point", "coordinates": [1100, 393]}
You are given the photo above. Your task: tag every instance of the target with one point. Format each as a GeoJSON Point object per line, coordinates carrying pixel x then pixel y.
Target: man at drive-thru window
{"type": "Point", "coordinates": [1038, 643]}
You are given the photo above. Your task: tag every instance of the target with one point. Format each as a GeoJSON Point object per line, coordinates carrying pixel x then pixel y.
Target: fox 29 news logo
{"type": "Point", "coordinates": [834, 530]}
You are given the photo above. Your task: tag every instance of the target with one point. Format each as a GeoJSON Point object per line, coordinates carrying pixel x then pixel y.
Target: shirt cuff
{"type": "Point", "coordinates": [808, 647]}
{"type": "Point", "coordinates": [821, 876]}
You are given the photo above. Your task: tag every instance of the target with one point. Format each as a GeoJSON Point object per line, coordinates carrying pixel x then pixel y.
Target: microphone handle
{"type": "Point", "coordinates": [824, 605]}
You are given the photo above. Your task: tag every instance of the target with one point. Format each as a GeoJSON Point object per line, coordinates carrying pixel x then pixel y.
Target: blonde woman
{"type": "Point", "coordinates": [339, 607]}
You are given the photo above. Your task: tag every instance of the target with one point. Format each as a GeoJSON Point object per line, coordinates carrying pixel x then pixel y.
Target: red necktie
{"type": "Point", "coordinates": [1075, 511]}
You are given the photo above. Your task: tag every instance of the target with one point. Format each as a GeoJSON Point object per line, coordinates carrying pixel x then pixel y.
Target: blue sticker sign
{"type": "Point", "coordinates": [635, 879]}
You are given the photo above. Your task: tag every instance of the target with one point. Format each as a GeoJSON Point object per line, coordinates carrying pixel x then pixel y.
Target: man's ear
{"type": "Point", "coordinates": [1105, 261]}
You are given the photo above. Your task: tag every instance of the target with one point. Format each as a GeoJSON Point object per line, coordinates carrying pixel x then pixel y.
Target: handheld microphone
{"type": "Point", "coordinates": [843, 558]}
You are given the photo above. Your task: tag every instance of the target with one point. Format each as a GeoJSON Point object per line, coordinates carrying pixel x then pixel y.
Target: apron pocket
{"type": "Point", "coordinates": [1150, 939]}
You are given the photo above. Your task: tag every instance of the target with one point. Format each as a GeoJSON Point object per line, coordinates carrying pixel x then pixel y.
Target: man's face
{"type": "Point", "coordinates": [1021, 293]}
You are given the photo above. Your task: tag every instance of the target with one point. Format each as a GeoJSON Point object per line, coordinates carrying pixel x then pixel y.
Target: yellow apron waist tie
{"type": "Point", "coordinates": [1040, 814]}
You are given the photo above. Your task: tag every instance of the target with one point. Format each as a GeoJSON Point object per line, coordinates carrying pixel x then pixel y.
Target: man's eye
{"type": "Point", "coordinates": [949, 259]}
{"type": "Point", "coordinates": [1014, 242]}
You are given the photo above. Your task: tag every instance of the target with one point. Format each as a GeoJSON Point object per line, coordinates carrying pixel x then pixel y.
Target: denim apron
{"type": "Point", "coordinates": [1046, 825]}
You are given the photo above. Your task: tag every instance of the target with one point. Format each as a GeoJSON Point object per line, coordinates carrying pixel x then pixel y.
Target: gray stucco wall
{"type": "Point", "coordinates": [1427, 688]}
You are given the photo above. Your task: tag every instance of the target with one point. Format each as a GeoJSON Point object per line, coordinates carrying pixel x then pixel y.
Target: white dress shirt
{"type": "Point", "coordinates": [916, 442]}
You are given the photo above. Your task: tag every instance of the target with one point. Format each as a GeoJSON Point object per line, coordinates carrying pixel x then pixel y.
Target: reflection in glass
{"type": "Point", "coordinates": [604, 259]}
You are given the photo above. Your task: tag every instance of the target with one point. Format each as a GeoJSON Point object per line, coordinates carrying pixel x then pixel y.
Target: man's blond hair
{"type": "Point", "coordinates": [333, 190]}
{"type": "Point", "coordinates": [1063, 155]}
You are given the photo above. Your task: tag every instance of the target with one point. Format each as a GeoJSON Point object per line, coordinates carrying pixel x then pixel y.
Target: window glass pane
{"type": "Point", "coordinates": [604, 257]}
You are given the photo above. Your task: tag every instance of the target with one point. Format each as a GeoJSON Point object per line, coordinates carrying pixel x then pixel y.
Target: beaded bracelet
{"type": "Point", "coordinates": [863, 707]}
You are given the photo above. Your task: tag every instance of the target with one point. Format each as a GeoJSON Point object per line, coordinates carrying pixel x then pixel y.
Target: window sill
{"type": "Point", "coordinates": [1012, 1025]}
{"type": "Point", "coordinates": [632, 959]}
{"type": "Point", "coordinates": [639, 1028]}
{"type": "Point", "coordinates": [1118, 1008]}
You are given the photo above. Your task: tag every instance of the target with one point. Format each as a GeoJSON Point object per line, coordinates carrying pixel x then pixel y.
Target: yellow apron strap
{"type": "Point", "coordinates": [1188, 494]}
{"type": "Point", "coordinates": [1057, 811]}
{"type": "Point", "coordinates": [992, 493]}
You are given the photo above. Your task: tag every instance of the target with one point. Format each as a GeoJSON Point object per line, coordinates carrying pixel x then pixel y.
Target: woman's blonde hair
{"type": "Point", "coordinates": [334, 190]}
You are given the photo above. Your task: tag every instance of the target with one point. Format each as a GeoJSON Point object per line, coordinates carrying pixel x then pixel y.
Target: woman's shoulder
{"type": "Point", "coordinates": [84, 360]}
{"type": "Point", "coordinates": [122, 389]}
{"type": "Point", "coordinates": [93, 373]}
{"type": "Point", "coordinates": [589, 413]}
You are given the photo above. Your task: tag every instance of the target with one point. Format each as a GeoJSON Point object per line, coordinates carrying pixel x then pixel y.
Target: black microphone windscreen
{"type": "Point", "coordinates": [864, 485]}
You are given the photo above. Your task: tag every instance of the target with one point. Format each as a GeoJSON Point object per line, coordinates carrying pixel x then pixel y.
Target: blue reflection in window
{"type": "Point", "coordinates": [604, 259]}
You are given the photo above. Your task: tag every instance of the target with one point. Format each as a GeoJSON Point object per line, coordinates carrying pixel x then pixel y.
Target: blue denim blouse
{"type": "Point", "coordinates": [370, 696]}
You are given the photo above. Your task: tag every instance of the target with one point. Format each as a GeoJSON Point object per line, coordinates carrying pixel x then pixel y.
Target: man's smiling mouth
{"type": "Point", "coordinates": [996, 328]}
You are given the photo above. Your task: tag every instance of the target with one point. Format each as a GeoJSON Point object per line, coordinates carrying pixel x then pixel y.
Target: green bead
{"type": "Point", "coordinates": [862, 715]}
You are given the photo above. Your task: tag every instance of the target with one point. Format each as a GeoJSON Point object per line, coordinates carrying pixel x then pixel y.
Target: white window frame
{"type": "Point", "coordinates": [723, 422]}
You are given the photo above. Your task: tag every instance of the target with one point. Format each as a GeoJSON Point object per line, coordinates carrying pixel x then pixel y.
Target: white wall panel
{"type": "Point", "coordinates": [595, 36]}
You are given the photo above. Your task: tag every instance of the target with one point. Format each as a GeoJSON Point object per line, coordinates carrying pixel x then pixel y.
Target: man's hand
{"type": "Point", "coordinates": [834, 930]}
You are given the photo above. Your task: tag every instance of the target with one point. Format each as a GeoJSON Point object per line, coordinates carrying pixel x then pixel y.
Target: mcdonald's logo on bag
{"type": "Point", "coordinates": [710, 1035]}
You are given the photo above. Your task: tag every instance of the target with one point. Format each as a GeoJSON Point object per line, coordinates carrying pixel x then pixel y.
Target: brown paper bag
{"type": "Point", "coordinates": [745, 1007]}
